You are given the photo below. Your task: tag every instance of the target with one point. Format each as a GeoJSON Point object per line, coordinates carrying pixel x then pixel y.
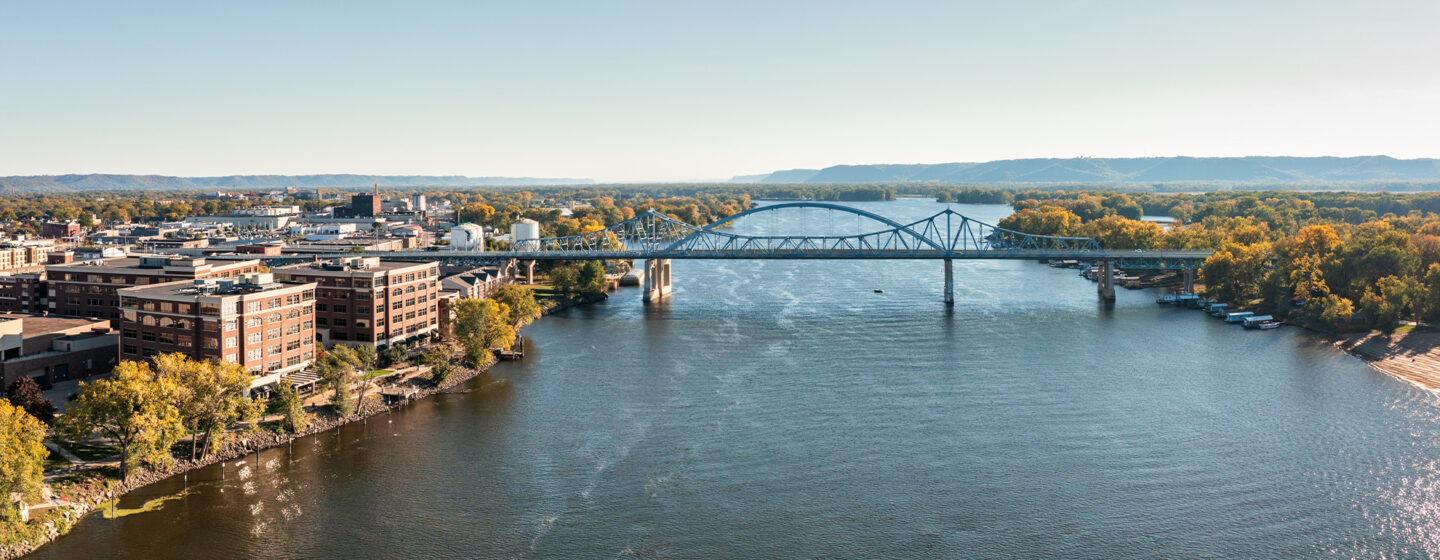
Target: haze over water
{"type": "Point", "coordinates": [784, 409]}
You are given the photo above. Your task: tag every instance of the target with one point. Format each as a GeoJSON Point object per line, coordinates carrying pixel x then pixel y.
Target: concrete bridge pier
{"type": "Point", "coordinates": [1189, 281]}
{"type": "Point", "coordinates": [949, 282]}
{"type": "Point", "coordinates": [657, 280]}
{"type": "Point", "coordinates": [1106, 280]}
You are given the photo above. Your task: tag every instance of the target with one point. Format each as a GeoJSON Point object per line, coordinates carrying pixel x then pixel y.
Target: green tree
{"type": "Point", "coordinates": [393, 354]}
{"type": "Point", "coordinates": [22, 456]}
{"type": "Point", "coordinates": [438, 358]}
{"type": "Point", "coordinates": [337, 372]}
{"type": "Point", "coordinates": [26, 394]}
{"type": "Point", "coordinates": [564, 279]}
{"type": "Point", "coordinates": [286, 402]}
{"type": "Point", "coordinates": [364, 362]}
{"type": "Point", "coordinates": [591, 279]}
{"type": "Point", "coordinates": [135, 408]}
{"type": "Point", "coordinates": [521, 301]}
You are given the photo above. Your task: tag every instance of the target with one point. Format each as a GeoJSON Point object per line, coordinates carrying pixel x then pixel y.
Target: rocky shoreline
{"type": "Point", "coordinates": [240, 444]}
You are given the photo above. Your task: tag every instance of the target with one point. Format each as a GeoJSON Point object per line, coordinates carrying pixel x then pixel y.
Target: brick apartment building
{"type": "Point", "coordinates": [88, 289]}
{"type": "Point", "coordinates": [364, 300]}
{"type": "Point", "coordinates": [253, 320]}
{"type": "Point", "coordinates": [24, 293]}
{"type": "Point", "coordinates": [56, 230]}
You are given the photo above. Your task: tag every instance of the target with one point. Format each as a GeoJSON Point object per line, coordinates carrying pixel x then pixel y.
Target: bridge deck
{"type": "Point", "coordinates": [1123, 259]}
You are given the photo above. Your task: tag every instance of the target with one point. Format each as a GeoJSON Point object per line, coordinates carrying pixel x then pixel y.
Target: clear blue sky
{"type": "Point", "coordinates": [672, 90]}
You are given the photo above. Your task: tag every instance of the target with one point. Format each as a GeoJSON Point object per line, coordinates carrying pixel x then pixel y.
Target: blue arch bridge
{"type": "Point", "coordinates": [947, 235]}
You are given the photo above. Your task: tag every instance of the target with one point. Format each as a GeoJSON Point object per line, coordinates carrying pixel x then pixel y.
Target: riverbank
{"type": "Point", "coordinates": [87, 488]}
{"type": "Point", "coordinates": [1412, 357]}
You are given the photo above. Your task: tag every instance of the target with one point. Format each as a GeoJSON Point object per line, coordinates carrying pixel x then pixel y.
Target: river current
{"type": "Point", "coordinates": [784, 409]}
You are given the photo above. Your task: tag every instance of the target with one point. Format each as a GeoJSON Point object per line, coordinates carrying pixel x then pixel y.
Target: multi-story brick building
{"type": "Point", "coordinates": [24, 293]}
{"type": "Point", "coordinates": [88, 289]}
{"type": "Point", "coordinates": [56, 230]}
{"type": "Point", "coordinates": [253, 320]}
{"type": "Point", "coordinates": [364, 300]}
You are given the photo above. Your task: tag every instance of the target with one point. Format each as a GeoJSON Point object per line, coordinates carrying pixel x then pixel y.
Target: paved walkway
{"type": "Point", "coordinates": [61, 451]}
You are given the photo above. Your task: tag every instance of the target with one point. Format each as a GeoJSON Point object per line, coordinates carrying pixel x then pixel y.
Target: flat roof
{"type": "Point", "coordinates": [37, 325]}
{"type": "Point", "coordinates": [317, 267]}
{"type": "Point", "coordinates": [186, 288]}
{"type": "Point", "coordinates": [132, 263]}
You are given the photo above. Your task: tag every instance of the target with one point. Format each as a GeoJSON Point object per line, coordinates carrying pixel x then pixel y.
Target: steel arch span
{"type": "Point", "coordinates": [945, 235]}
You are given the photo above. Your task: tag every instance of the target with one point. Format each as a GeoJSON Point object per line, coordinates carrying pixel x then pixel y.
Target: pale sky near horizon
{"type": "Point", "coordinates": [619, 91]}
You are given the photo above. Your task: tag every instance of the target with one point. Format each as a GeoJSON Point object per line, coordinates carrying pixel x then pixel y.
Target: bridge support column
{"type": "Point", "coordinates": [530, 272]}
{"type": "Point", "coordinates": [1189, 281]}
{"type": "Point", "coordinates": [657, 280]}
{"type": "Point", "coordinates": [949, 282]}
{"type": "Point", "coordinates": [1106, 279]}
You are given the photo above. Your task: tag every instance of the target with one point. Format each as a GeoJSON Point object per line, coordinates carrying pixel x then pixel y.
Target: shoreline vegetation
{"type": "Point", "coordinates": [79, 490]}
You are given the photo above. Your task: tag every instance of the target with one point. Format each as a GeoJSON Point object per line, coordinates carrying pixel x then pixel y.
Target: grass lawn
{"type": "Point", "coordinates": [90, 452]}
{"type": "Point", "coordinates": [378, 373]}
{"type": "Point", "coordinates": [55, 461]}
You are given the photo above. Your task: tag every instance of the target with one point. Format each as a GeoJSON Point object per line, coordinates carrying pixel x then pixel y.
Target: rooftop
{"type": "Point", "coordinates": [38, 325]}
{"type": "Point", "coordinates": [350, 265]}
{"type": "Point", "coordinates": [145, 262]}
{"type": "Point", "coordinates": [259, 283]}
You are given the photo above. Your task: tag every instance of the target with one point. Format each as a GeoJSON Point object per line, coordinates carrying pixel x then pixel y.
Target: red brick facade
{"type": "Point", "coordinates": [372, 302]}
{"type": "Point", "coordinates": [267, 327]}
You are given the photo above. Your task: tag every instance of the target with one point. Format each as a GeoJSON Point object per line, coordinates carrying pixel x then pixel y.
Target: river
{"type": "Point", "coordinates": [783, 409]}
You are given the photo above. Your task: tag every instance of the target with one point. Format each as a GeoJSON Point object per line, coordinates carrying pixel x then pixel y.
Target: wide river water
{"type": "Point", "coordinates": [783, 409]}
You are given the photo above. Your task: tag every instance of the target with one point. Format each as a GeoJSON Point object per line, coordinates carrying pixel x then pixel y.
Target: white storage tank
{"type": "Point", "coordinates": [525, 233]}
{"type": "Point", "coordinates": [467, 237]}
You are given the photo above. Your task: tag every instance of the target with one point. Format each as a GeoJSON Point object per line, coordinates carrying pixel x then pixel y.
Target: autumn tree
{"type": "Point", "coordinates": [210, 396]}
{"type": "Point", "coordinates": [481, 325]}
{"type": "Point", "coordinates": [521, 302]}
{"type": "Point", "coordinates": [22, 457]}
{"type": "Point", "coordinates": [135, 408]}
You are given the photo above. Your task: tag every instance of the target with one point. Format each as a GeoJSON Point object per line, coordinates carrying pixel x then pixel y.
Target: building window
{"type": "Point", "coordinates": [230, 324]}
{"type": "Point", "coordinates": [231, 358]}
{"type": "Point", "coordinates": [147, 336]}
{"type": "Point", "coordinates": [273, 334]}
{"type": "Point", "coordinates": [274, 349]}
{"type": "Point", "coordinates": [273, 366]}
{"type": "Point", "coordinates": [322, 307]}
{"type": "Point", "coordinates": [275, 317]}
{"type": "Point", "coordinates": [292, 329]}
{"type": "Point", "coordinates": [253, 338]}
{"type": "Point", "coordinates": [128, 333]}
{"type": "Point", "coordinates": [292, 345]}
{"type": "Point", "coordinates": [340, 309]}
{"type": "Point", "coordinates": [251, 355]}
{"type": "Point", "coordinates": [321, 321]}
{"type": "Point", "coordinates": [339, 322]}
{"type": "Point", "coordinates": [128, 349]}
{"type": "Point", "coordinates": [254, 322]}
{"type": "Point", "coordinates": [292, 361]}
{"type": "Point", "coordinates": [230, 342]}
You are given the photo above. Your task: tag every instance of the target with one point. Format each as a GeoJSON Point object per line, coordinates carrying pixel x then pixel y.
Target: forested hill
{"type": "Point", "coordinates": [1254, 169]}
{"type": "Point", "coordinates": [130, 182]}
